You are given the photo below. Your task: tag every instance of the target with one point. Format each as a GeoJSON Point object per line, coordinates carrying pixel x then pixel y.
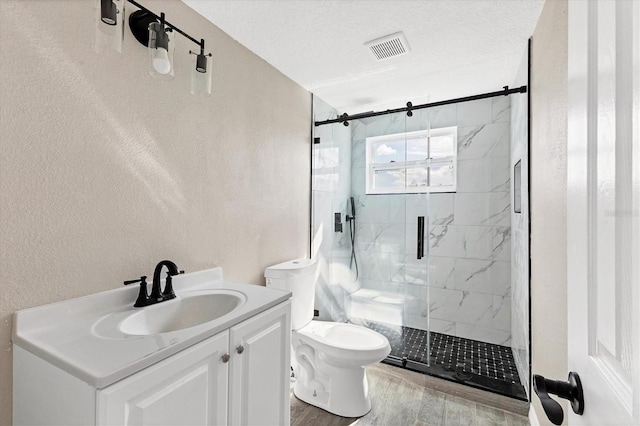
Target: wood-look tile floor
{"type": "Point", "coordinates": [398, 398]}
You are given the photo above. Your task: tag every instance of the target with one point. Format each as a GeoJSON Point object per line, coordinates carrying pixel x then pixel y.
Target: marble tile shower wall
{"type": "Point", "coordinates": [469, 230]}
{"type": "Point", "coordinates": [331, 187]}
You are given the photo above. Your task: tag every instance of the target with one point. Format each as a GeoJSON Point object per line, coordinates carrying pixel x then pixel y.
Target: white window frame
{"type": "Point", "coordinates": [371, 167]}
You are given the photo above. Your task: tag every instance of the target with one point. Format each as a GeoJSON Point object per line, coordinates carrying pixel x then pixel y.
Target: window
{"type": "Point", "coordinates": [413, 162]}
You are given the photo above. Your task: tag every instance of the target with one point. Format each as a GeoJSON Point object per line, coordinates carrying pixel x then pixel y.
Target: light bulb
{"type": "Point", "coordinates": [161, 61]}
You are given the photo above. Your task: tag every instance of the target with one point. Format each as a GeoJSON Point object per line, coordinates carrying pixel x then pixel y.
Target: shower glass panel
{"type": "Point", "coordinates": [371, 227]}
{"type": "Point", "coordinates": [412, 272]}
{"type": "Point", "coordinates": [412, 231]}
{"type": "Point", "coordinates": [330, 233]}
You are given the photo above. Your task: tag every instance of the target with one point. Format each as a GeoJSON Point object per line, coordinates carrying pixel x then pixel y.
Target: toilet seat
{"type": "Point", "coordinates": [346, 344]}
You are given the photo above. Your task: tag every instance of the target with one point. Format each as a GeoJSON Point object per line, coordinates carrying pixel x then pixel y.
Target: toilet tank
{"type": "Point", "coordinates": [299, 277]}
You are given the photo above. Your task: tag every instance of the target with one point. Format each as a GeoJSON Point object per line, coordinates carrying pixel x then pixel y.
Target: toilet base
{"type": "Point", "coordinates": [345, 394]}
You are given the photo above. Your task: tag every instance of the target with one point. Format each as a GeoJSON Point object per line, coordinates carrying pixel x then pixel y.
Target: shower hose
{"type": "Point", "coordinates": [352, 233]}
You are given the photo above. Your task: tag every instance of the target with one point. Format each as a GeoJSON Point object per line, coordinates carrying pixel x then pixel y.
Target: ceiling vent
{"type": "Point", "coordinates": [389, 46]}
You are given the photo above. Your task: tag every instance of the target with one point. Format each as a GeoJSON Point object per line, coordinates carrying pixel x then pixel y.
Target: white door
{"type": "Point", "coordinates": [604, 209]}
{"type": "Point", "coordinates": [188, 388]}
{"type": "Point", "coordinates": [260, 369]}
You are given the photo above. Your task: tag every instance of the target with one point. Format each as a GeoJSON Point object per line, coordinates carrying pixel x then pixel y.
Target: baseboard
{"type": "Point", "coordinates": [533, 418]}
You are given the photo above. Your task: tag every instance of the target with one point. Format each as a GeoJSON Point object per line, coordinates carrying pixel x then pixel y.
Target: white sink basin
{"type": "Point", "coordinates": [188, 310]}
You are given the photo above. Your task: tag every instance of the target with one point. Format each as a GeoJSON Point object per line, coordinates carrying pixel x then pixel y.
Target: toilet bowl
{"type": "Point", "coordinates": [344, 345]}
{"type": "Point", "coordinates": [329, 358]}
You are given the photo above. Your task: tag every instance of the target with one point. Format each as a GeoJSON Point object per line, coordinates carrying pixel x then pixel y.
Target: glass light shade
{"type": "Point", "coordinates": [201, 75]}
{"type": "Point", "coordinates": [161, 48]}
{"type": "Point", "coordinates": [109, 25]}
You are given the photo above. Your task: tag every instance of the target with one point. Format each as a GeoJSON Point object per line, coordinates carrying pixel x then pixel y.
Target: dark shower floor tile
{"type": "Point", "coordinates": [471, 362]}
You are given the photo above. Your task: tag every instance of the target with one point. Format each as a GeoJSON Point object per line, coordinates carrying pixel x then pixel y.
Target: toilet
{"type": "Point", "coordinates": [328, 358]}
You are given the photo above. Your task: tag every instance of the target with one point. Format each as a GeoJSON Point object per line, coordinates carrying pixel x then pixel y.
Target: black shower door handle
{"type": "Point", "coordinates": [420, 237]}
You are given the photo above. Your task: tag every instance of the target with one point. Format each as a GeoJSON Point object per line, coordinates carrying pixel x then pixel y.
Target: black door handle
{"type": "Point", "coordinates": [570, 390]}
{"type": "Point", "coordinates": [420, 237]}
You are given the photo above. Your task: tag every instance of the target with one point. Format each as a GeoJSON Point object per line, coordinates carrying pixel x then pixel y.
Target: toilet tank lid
{"type": "Point", "coordinates": [291, 268]}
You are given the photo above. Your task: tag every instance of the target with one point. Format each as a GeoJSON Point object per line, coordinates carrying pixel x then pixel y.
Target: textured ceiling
{"type": "Point", "coordinates": [458, 47]}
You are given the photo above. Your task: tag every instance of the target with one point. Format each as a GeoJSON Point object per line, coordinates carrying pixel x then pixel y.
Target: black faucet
{"type": "Point", "coordinates": [156, 295]}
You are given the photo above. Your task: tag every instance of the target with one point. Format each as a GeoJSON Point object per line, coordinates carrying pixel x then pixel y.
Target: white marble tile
{"type": "Point", "coordinates": [341, 240]}
{"type": "Point", "coordinates": [499, 209]}
{"type": "Point", "coordinates": [418, 322]}
{"type": "Point", "coordinates": [382, 237]}
{"type": "Point", "coordinates": [358, 130]}
{"type": "Point", "coordinates": [483, 141]}
{"type": "Point", "coordinates": [444, 241]}
{"type": "Point", "coordinates": [499, 316]}
{"type": "Point", "coordinates": [358, 180]}
{"type": "Point", "coordinates": [325, 167]}
{"type": "Point", "coordinates": [373, 264]}
{"type": "Point", "coordinates": [501, 173]}
{"type": "Point", "coordinates": [358, 156]}
{"type": "Point", "coordinates": [438, 208]}
{"type": "Point", "coordinates": [500, 277]}
{"type": "Point", "coordinates": [397, 208]}
{"type": "Point", "coordinates": [501, 109]}
{"type": "Point", "coordinates": [476, 242]}
{"type": "Point", "coordinates": [368, 233]}
{"type": "Point", "coordinates": [442, 326]}
{"type": "Point", "coordinates": [417, 205]}
{"type": "Point", "coordinates": [483, 276]}
{"type": "Point", "coordinates": [391, 239]}
{"type": "Point", "coordinates": [441, 209]}
{"type": "Point", "coordinates": [342, 274]}
{"type": "Point", "coordinates": [444, 116]}
{"type": "Point", "coordinates": [472, 208]}
{"type": "Point", "coordinates": [472, 242]}
{"type": "Point", "coordinates": [322, 222]}
{"type": "Point", "coordinates": [387, 125]}
{"type": "Point", "coordinates": [331, 295]}
{"type": "Point", "coordinates": [416, 299]}
{"type": "Point", "coordinates": [413, 123]}
{"type": "Point", "coordinates": [410, 270]}
{"type": "Point", "coordinates": [458, 306]}
{"type": "Point", "coordinates": [474, 175]}
{"type": "Point", "coordinates": [372, 208]}
{"type": "Point", "coordinates": [489, 335]}
{"type": "Point", "coordinates": [441, 272]}
{"type": "Point", "coordinates": [501, 249]}
{"type": "Point", "coordinates": [411, 240]}
{"type": "Point", "coordinates": [474, 113]}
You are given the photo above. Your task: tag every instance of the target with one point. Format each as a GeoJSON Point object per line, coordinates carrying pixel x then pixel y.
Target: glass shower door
{"type": "Point", "coordinates": [370, 228]}
{"type": "Point", "coordinates": [414, 275]}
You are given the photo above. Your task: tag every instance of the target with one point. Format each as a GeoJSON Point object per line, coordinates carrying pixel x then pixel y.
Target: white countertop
{"type": "Point", "coordinates": [81, 335]}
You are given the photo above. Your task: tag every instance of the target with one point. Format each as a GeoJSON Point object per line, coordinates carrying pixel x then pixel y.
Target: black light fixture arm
{"type": "Point", "coordinates": [167, 23]}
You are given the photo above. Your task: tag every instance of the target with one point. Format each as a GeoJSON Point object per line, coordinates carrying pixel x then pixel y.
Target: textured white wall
{"type": "Point", "coordinates": [104, 171]}
{"type": "Point", "coordinates": [549, 196]}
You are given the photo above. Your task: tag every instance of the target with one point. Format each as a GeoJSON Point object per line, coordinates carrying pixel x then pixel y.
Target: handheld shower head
{"type": "Point", "coordinates": [353, 208]}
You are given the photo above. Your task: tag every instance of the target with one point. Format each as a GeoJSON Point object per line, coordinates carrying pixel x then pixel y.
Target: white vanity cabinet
{"type": "Point", "coordinates": [189, 388]}
{"type": "Point", "coordinates": [238, 377]}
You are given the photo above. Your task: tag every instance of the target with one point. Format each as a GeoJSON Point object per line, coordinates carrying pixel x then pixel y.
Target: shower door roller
{"type": "Point", "coordinates": [570, 390]}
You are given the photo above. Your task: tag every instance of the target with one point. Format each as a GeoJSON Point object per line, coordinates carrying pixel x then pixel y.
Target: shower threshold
{"type": "Point", "coordinates": [473, 363]}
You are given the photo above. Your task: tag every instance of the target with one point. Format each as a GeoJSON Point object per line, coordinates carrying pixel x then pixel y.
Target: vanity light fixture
{"type": "Point", "coordinates": [155, 33]}
{"type": "Point", "coordinates": [200, 72]}
{"type": "Point", "coordinates": [160, 50]}
{"type": "Point", "coordinates": [109, 27]}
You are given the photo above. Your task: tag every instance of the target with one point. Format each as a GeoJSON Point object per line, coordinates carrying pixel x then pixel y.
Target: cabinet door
{"type": "Point", "coordinates": [189, 388]}
{"type": "Point", "coordinates": [260, 368]}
